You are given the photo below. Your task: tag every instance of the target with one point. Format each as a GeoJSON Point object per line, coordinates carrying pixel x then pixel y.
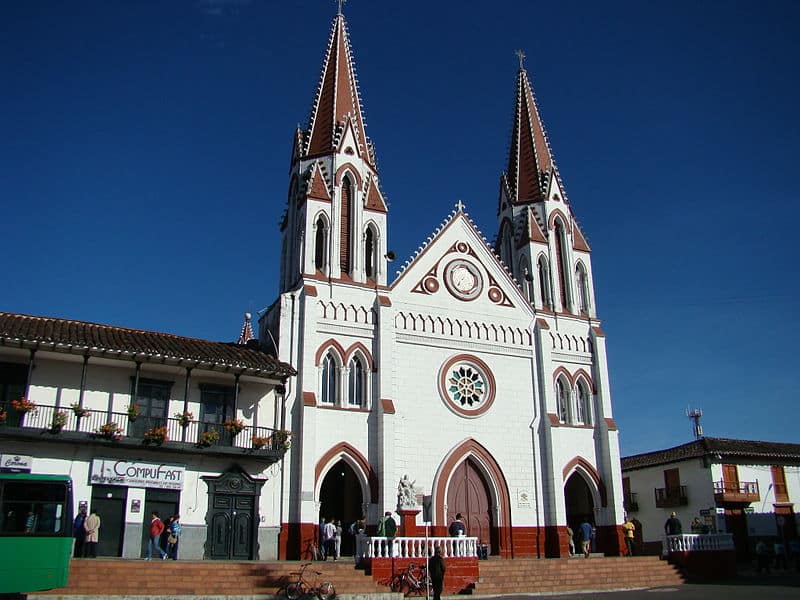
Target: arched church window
{"type": "Point", "coordinates": [369, 253]}
{"type": "Point", "coordinates": [544, 282]}
{"type": "Point", "coordinates": [356, 382]}
{"type": "Point", "coordinates": [329, 377]}
{"type": "Point", "coordinates": [320, 243]}
{"type": "Point", "coordinates": [581, 283]}
{"type": "Point", "coordinates": [583, 413]}
{"type": "Point", "coordinates": [506, 248]}
{"type": "Point", "coordinates": [344, 237]}
{"type": "Point", "coordinates": [562, 400]}
{"type": "Point", "coordinates": [526, 279]}
{"type": "Point", "coordinates": [561, 265]}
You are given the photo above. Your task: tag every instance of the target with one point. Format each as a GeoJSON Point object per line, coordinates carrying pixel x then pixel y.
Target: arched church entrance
{"type": "Point", "coordinates": [579, 501]}
{"type": "Point", "coordinates": [469, 495]}
{"type": "Point", "coordinates": [341, 499]}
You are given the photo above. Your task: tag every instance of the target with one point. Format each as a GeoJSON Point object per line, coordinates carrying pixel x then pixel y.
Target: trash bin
{"type": "Point", "coordinates": [483, 551]}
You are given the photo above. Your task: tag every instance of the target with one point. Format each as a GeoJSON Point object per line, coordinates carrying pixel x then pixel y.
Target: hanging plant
{"type": "Point", "coordinates": [282, 439]}
{"type": "Point", "coordinates": [23, 405]}
{"type": "Point", "coordinates": [184, 418]}
{"type": "Point", "coordinates": [109, 431]}
{"type": "Point", "coordinates": [155, 436]}
{"type": "Point", "coordinates": [208, 438]}
{"type": "Point", "coordinates": [234, 426]}
{"type": "Point", "coordinates": [134, 411]}
{"type": "Point", "coordinates": [79, 410]}
{"type": "Point", "coordinates": [259, 442]}
{"type": "Point", "coordinates": [59, 420]}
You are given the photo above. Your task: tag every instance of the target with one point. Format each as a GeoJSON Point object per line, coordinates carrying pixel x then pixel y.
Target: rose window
{"type": "Point", "coordinates": [466, 385]}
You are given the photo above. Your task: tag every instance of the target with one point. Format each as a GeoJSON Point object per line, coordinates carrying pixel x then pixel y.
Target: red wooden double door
{"type": "Point", "coordinates": [469, 495]}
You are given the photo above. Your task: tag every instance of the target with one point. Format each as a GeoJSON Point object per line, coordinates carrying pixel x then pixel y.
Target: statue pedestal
{"type": "Point", "coordinates": [408, 521]}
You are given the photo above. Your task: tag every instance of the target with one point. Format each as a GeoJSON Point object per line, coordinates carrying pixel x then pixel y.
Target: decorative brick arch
{"type": "Point", "coordinates": [558, 372]}
{"type": "Point", "coordinates": [493, 472]}
{"type": "Point", "coordinates": [347, 167]}
{"type": "Point", "coordinates": [581, 464]}
{"type": "Point", "coordinates": [354, 459]}
{"type": "Point", "coordinates": [551, 220]}
{"type": "Point", "coordinates": [582, 374]}
{"type": "Point", "coordinates": [364, 352]}
{"type": "Point", "coordinates": [327, 345]}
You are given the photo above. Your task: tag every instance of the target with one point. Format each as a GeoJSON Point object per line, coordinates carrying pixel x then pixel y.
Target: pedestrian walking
{"type": "Point", "coordinates": [174, 531]}
{"type": "Point", "coordinates": [673, 525]}
{"type": "Point", "coordinates": [92, 526]}
{"type": "Point", "coordinates": [586, 530]}
{"type": "Point", "coordinates": [79, 533]}
{"type": "Point", "coordinates": [628, 528]}
{"type": "Point", "coordinates": [156, 529]}
{"type": "Point", "coordinates": [436, 569]}
{"type": "Point", "coordinates": [571, 540]}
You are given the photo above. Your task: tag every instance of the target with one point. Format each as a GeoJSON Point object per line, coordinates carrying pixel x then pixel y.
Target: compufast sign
{"type": "Point", "coordinates": [107, 471]}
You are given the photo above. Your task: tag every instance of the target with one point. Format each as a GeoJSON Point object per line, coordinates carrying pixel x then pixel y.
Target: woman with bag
{"type": "Point", "coordinates": [173, 537]}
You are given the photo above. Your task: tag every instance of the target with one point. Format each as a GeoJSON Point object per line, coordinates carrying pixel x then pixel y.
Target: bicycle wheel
{"type": "Point", "coordinates": [294, 591]}
{"type": "Point", "coordinates": [325, 591]}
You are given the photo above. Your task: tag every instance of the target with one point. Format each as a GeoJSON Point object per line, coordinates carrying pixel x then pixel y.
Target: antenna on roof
{"type": "Point", "coordinates": [695, 415]}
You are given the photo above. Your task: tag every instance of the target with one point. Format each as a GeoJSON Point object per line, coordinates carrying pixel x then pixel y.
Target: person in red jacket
{"type": "Point", "coordinates": [156, 529]}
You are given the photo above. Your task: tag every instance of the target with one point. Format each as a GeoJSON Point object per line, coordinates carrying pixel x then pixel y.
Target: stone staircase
{"type": "Point", "coordinates": [120, 577]}
{"type": "Point", "coordinates": [570, 574]}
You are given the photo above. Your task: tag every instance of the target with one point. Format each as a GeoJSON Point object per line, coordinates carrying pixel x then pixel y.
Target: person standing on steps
{"type": "Point", "coordinates": [329, 538]}
{"type": "Point", "coordinates": [586, 538]}
{"type": "Point", "coordinates": [673, 525]}
{"type": "Point", "coordinates": [92, 527]}
{"type": "Point", "coordinates": [156, 529]}
{"type": "Point", "coordinates": [387, 528]}
{"type": "Point", "coordinates": [79, 533]}
{"type": "Point", "coordinates": [628, 528]}
{"type": "Point", "coordinates": [174, 531]}
{"type": "Point", "coordinates": [436, 569]}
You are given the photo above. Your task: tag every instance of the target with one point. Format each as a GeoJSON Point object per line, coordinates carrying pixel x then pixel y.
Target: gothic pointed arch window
{"type": "Point", "coordinates": [356, 382]}
{"type": "Point", "coordinates": [561, 264]}
{"type": "Point", "coordinates": [582, 285]}
{"type": "Point", "coordinates": [526, 279]}
{"type": "Point", "coordinates": [562, 400]}
{"type": "Point", "coordinates": [543, 275]}
{"type": "Point", "coordinates": [507, 246]}
{"type": "Point", "coordinates": [320, 243]}
{"type": "Point", "coordinates": [583, 413]}
{"type": "Point", "coordinates": [345, 225]}
{"type": "Point", "coordinates": [330, 377]}
{"type": "Point", "coordinates": [370, 252]}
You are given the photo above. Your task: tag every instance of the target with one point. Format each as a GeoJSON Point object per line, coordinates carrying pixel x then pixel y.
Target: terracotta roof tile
{"type": "Point", "coordinates": [725, 448]}
{"type": "Point", "coordinates": [19, 330]}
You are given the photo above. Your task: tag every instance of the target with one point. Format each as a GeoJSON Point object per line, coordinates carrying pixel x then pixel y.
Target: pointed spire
{"type": "Point", "coordinates": [337, 98]}
{"type": "Point", "coordinates": [247, 331]}
{"type": "Point", "coordinates": [529, 155]}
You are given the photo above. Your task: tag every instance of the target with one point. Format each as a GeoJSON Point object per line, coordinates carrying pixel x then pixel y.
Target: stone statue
{"type": "Point", "coordinates": [406, 493]}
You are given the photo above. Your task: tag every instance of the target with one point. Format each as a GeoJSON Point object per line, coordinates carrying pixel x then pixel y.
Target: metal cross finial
{"type": "Point", "coordinates": [521, 56]}
{"type": "Point", "coordinates": [340, 2]}
{"type": "Point", "coordinates": [460, 206]}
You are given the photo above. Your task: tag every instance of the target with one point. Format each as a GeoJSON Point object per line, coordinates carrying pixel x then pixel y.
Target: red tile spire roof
{"type": "Point", "coordinates": [247, 331]}
{"type": "Point", "coordinates": [530, 158]}
{"type": "Point", "coordinates": [337, 99]}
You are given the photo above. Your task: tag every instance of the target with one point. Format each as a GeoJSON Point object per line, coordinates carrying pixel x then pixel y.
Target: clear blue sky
{"type": "Point", "coordinates": [144, 149]}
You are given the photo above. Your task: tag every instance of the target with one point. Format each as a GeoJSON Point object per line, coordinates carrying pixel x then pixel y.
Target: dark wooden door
{"type": "Point", "coordinates": [469, 495]}
{"type": "Point", "coordinates": [109, 502]}
{"type": "Point", "coordinates": [736, 523]}
{"type": "Point", "coordinates": [232, 525]}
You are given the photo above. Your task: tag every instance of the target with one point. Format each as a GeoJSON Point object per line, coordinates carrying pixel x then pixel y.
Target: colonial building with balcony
{"type": "Point", "coordinates": [145, 421]}
{"type": "Point", "coordinates": [746, 488]}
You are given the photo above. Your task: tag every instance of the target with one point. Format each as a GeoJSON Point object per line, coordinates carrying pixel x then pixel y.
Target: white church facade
{"type": "Point", "coordinates": [480, 371]}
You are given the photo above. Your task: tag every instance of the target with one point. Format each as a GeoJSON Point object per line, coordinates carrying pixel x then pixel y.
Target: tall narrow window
{"type": "Point", "coordinates": [319, 244]}
{"type": "Point", "coordinates": [583, 289]}
{"type": "Point", "coordinates": [561, 270]}
{"type": "Point", "coordinates": [583, 404]}
{"type": "Point", "coordinates": [356, 383]}
{"type": "Point", "coordinates": [344, 230]}
{"type": "Point", "coordinates": [369, 253]}
{"type": "Point", "coordinates": [329, 372]}
{"type": "Point", "coordinates": [526, 279]}
{"type": "Point", "coordinates": [506, 248]}
{"type": "Point", "coordinates": [562, 398]}
{"type": "Point", "coordinates": [544, 282]}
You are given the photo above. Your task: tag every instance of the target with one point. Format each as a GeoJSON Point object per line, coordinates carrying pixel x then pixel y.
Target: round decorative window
{"type": "Point", "coordinates": [466, 385]}
{"type": "Point", "coordinates": [463, 279]}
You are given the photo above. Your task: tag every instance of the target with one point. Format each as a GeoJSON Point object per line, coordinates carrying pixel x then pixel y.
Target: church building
{"type": "Point", "coordinates": [480, 372]}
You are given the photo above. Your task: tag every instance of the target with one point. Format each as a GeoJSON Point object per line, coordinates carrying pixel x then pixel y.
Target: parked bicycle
{"type": "Point", "coordinates": [413, 580]}
{"type": "Point", "coordinates": [303, 588]}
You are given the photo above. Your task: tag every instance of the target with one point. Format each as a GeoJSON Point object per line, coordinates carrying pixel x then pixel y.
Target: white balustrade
{"type": "Point", "coordinates": [418, 547]}
{"type": "Point", "coordinates": [704, 542]}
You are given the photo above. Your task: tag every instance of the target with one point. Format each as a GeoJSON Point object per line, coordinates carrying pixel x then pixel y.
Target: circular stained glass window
{"type": "Point", "coordinates": [466, 385]}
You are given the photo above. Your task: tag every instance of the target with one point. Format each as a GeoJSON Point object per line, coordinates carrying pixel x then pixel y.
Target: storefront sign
{"type": "Point", "coordinates": [106, 471]}
{"type": "Point", "coordinates": [16, 463]}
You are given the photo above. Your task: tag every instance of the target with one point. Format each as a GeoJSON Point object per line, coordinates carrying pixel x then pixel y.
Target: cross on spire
{"type": "Point", "coordinates": [340, 3]}
{"type": "Point", "coordinates": [521, 56]}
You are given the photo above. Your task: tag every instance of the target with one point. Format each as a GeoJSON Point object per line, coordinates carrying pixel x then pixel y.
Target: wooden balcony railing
{"type": "Point", "coordinates": [741, 492]}
{"type": "Point", "coordinates": [630, 502]}
{"type": "Point", "coordinates": [64, 420]}
{"type": "Point", "coordinates": [671, 497]}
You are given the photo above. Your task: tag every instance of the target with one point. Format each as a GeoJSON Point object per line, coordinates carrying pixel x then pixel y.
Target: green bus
{"type": "Point", "coordinates": [35, 532]}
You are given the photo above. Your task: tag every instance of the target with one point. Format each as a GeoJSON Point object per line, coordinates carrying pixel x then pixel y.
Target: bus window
{"type": "Point", "coordinates": [32, 508]}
